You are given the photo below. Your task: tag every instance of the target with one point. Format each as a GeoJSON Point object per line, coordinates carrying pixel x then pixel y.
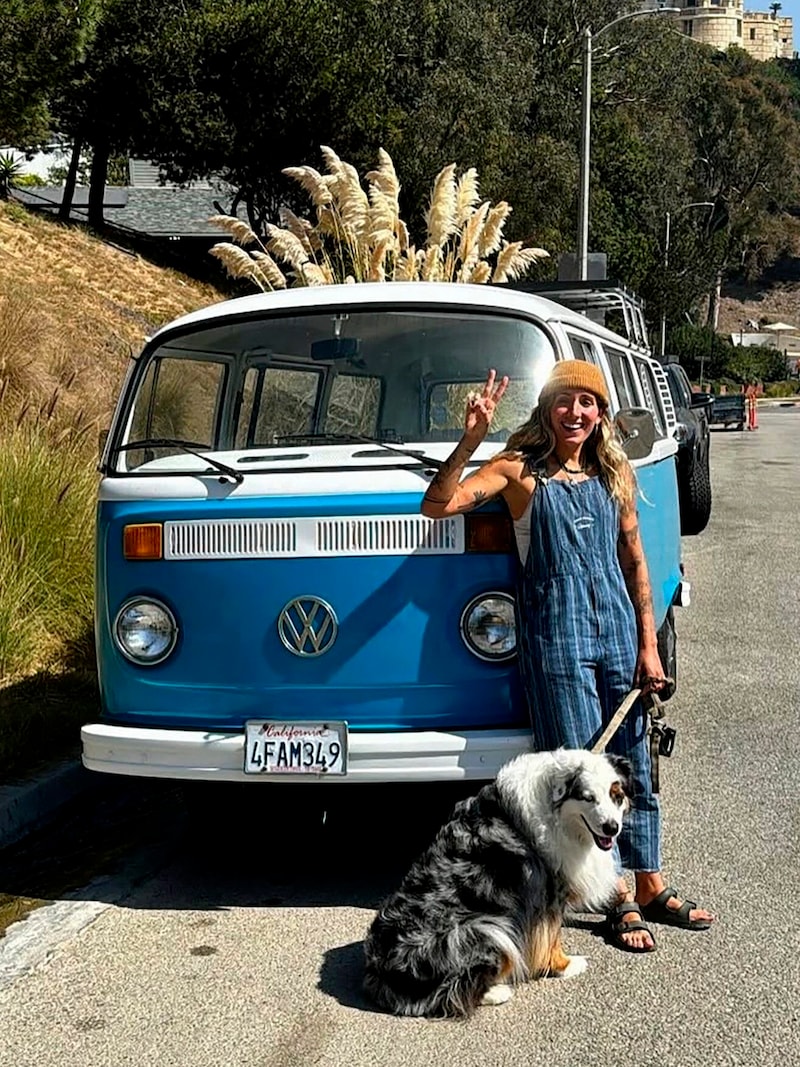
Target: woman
{"type": "Point", "coordinates": [587, 630]}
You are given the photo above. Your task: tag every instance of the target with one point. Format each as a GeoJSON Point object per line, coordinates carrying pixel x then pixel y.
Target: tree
{"type": "Point", "coordinates": [39, 41]}
{"type": "Point", "coordinates": [746, 155]}
{"type": "Point", "coordinates": [112, 99]}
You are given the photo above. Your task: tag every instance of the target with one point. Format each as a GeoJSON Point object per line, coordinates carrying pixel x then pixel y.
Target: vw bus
{"type": "Point", "coordinates": [271, 606]}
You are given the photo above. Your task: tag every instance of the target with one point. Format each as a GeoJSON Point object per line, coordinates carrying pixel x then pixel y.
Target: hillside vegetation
{"type": "Point", "coordinates": [72, 308]}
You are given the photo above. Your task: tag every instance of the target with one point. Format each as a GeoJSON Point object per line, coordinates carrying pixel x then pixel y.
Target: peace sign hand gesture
{"type": "Point", "coordinates": [481, 408]}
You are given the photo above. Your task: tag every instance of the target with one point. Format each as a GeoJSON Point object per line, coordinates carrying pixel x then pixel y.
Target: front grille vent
{"type": "Point", "coordinates": [364, 535]}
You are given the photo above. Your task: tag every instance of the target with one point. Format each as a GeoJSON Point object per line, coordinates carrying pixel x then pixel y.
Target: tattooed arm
{"type": "Point", "coordinates": [448, 495]}
{"type": "Point", "coordinates": [649, 669]}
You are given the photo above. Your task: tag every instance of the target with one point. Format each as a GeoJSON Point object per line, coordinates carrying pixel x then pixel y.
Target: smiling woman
{"type": "Point", "coordinates": [585, 609]}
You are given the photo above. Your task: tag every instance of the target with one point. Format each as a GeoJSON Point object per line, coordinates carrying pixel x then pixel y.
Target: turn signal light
{"type": "Point", "coordinates": [142, 541]}
{"type": "Point", "coordinates": [491, 532]}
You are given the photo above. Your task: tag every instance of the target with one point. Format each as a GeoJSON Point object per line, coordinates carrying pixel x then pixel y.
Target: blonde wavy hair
{"type": "Point", "coordinates": [536, 441]}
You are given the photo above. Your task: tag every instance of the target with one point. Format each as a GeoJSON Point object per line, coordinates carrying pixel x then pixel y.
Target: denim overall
{"type": "Point", "coordinates": [578, 643]}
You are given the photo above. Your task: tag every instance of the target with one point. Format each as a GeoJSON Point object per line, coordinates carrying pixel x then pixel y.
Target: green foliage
{"type": "Point", "coordinates": [788, 387]}
{"type": "Point", "coordinates": [29, 181]}
{"type": "Point", "coordinates": [46, 508]}
{"type": "Point", "coordinates": [757, 363]}
{"type": "Point", "coordinates": [39, 42]}
{"type": "Point", "coordinates": [10, 170]}
{"type": "Point", "coordinates": [702, 351]}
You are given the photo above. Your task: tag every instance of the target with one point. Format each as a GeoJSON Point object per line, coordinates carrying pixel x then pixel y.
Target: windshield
{"type": "Point", "coordinates": [390, 375]}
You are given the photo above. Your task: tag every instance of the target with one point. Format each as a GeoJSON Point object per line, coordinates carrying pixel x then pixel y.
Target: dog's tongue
{"type": "Point", "coordinates": [605, 843]}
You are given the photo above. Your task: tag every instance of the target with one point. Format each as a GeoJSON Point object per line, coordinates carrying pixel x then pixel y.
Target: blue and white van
{"type": "Point", "coordinates": [271, 606]}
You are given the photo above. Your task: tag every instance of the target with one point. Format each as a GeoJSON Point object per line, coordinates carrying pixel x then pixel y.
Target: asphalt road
{"type": "Point", "coordinates": [237, 942]}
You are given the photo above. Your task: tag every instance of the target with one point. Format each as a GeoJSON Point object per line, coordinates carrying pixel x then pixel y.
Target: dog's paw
{"type": "Point", "coordinates": [498, 994]}
{"type": "Point", "coordinates": [577, 965]}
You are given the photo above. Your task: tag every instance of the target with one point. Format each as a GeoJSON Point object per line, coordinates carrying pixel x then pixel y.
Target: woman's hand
{"type": "Point", "coordinates": [481, 407]}
{"type": "Point", "coordinates": [649, 675]}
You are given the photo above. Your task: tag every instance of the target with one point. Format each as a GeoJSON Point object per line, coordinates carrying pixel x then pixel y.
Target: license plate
{"type": "Point", "coordinates": [295, 747]}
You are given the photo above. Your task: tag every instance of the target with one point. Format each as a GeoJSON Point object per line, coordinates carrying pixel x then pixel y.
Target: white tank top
{"type": "Point", "coordinates": [522, 532]}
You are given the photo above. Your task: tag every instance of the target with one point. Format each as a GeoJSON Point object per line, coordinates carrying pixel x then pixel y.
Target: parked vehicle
{"type": "Point", "coordinates": [271, 605]}
{"type": "Point", "coordinates": [728, 409]}
{"type": "Point", "coordinates": [694, 440]}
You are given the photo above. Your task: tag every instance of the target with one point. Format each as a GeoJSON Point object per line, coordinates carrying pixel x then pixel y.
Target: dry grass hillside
{"type": "Point", "coordinates": [775, 297]}
{"type": "Point", "coordinates": [71, 309]}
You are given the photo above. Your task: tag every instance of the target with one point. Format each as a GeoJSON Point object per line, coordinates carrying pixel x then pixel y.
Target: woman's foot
{"type": "Point", "coordinates": [667, 907]}
{"type": "Point", "coordinates": [660, 903]}
{"type": "Point", "coordinates": [627, 929]}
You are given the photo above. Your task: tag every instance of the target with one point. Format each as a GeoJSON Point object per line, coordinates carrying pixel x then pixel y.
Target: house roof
{"type": "Point", "coordinates": [164, 211]}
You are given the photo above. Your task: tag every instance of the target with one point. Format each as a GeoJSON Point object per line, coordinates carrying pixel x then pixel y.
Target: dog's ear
{"type": "Point", "coordinates": [624, 769]}
{"type": "Point", "coordinates": [564, 786]}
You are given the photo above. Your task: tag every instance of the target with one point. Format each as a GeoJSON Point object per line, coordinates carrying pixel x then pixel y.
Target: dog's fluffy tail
{"type": "Point", "coordinates": [459, 967]}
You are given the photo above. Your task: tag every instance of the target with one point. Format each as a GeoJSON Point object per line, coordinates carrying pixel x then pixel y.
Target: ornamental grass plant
{"type": "Point", "coordinates": [356, 234]}
{"type": "Point", "coordinates": [47, 677]}
{"type": "Point", "coordinates": [72, 308]}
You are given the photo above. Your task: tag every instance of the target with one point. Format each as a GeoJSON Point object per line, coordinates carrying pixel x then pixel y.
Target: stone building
{"type": "Point", "coordinates": [721, 23]}
{"type": "Point", "coordinates": [767, 36]}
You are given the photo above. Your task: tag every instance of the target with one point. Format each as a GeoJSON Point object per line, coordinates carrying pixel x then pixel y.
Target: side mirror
{"type": "Point", "coordinates": [101, 442]}
{"type": "Point", "coordinates": [637, 432]}
{"type": "Point", "coordinates": [701, 400]}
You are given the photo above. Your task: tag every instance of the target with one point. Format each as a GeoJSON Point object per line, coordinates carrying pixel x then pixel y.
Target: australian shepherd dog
{"type": "Point", "coordinates": [481, 910]}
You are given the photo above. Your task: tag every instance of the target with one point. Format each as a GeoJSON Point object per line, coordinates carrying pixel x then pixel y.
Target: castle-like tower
{"type": "Point", "coordinates": [721, 23]}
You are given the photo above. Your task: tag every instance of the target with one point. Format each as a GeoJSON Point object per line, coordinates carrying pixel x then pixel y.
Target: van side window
{"type": "Point", "coordinates": [582, 349]}
{"type": "Point", "coordinates": [622, 376]}
{"type": "Point", "coordinates": [179, 398]}
{"type": "Point", "coordinates": [650, 393]}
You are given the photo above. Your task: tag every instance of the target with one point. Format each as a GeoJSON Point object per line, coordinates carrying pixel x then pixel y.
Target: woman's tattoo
{"type": "Point", "coordinates": [632, 563]}
{"type": "Point", "coordinates": [451, 468]}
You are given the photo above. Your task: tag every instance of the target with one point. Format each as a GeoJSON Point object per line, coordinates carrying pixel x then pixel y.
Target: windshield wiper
{"type": "Point", "coordinates": [349, 438]}
{"type": "Point", "coordinates": [191, 447]}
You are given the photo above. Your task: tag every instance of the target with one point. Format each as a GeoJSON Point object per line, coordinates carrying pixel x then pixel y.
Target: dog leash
{"type": "Point", "coordinates": [662, 737]}
{"type": "Point", "coordinates": [616, 721]}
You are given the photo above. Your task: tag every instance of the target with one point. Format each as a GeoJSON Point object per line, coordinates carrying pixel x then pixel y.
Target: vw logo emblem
{"type": "Point", "coordinates": [307, 626]}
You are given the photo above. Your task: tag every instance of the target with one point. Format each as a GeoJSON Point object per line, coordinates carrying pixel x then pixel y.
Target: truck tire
{"type": "Point", "coordinates": [695, 498]}
{"type": "Point", "coordinates": [668, 653]}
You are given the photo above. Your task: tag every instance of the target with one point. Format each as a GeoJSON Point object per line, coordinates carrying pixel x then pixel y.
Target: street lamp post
{"type": "Point", "coordinates": [586, 130]}
{"type": "Point", "coordinates": [667, 231]}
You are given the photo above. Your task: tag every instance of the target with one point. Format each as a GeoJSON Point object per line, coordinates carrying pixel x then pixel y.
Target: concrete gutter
{"type": "Point", "coordinates": [32, 803]}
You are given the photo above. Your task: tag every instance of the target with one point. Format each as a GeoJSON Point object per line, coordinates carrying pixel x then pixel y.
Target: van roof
{"type": "Point", "coordinates": [475, 297]}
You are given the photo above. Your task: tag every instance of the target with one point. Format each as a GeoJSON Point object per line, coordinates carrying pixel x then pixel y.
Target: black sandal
{"type": "Point", "coordinates": [617, 927]}
{"type": "Point", "coordinates": [658, 912]}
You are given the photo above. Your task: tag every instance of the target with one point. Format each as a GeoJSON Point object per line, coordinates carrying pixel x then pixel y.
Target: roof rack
{"type": "Point", "coordinates": [606, 302]}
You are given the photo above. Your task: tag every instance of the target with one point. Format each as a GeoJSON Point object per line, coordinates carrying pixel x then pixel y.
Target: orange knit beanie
{"type": "Point", "coordinates": [577, 374]}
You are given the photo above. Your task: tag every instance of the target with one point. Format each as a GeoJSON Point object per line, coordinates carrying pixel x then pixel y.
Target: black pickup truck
{"type": "Point", "coordinates": [694, 440]}
{"type": "Point", "coordinates": [728, 409]}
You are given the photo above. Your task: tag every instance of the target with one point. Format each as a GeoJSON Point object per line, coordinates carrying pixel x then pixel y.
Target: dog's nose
{"type": "Point", "coordinates": [611, 828]}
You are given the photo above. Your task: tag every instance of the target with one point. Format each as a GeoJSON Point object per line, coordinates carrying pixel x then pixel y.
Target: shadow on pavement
{"type": "Point", "coordinates": [218, 845]}
{"type": "Point", "coordinates": [341, 975]}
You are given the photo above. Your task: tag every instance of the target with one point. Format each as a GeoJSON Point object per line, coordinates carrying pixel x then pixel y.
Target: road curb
{"type": "Point", "coordinates": [28, 805]}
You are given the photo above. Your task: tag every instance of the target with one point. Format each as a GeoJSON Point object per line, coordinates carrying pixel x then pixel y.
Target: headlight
{"type": "Point", "coordinates": [488, 627]}
{"type": "Point", "coordinates": [145, 631]}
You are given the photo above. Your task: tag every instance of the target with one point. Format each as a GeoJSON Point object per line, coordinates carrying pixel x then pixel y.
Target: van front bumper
{"type": "Point", "coordinates": [422, 756]}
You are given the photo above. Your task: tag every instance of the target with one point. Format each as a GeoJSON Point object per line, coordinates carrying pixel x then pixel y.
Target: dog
{"type": "Point", "coordinates": [481, 910]}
